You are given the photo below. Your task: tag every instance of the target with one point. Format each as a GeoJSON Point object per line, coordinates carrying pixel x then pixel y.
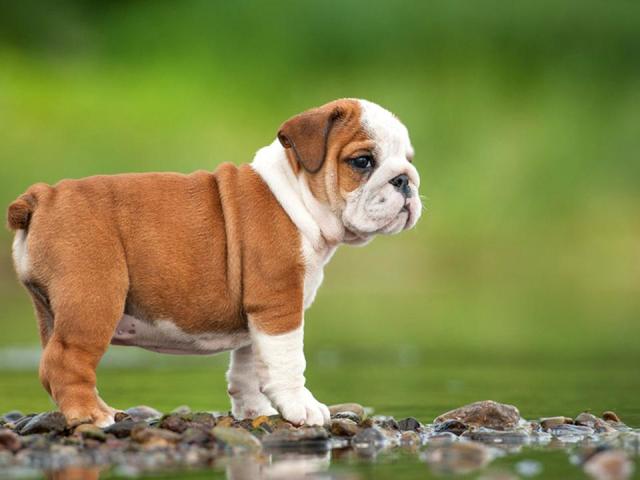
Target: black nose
{"type": "Point", "coordinates": [401, 184]}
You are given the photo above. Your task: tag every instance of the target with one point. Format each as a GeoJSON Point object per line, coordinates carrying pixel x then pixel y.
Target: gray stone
{"type": "Point", "coordinates": [487, 413]}
{"type": "Point", "coordinates": [453, 426]}
{"type": "Point", "coordinates": [12, 416]}
{"type": "Point", "coordinates": [409, 424]}
{"type": "Point", "coordinates": [123, 429]}
{"type": "Point", "coordinates": [236, 438]}
{"type": "Point", "coordinates": [44, 423]}
{"type": "Point", "coordinates": [87, 430]}
{"type": "Point", "coordinates": [143, 412]}
{"type": "Point", "coordinates": [303, 438]}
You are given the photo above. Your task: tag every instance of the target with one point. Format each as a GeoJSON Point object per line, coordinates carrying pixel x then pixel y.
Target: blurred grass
{"type": "Point", "coordinates": [524, 117]}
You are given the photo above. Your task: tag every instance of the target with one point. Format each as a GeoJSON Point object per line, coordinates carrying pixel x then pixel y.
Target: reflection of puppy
{"type": "Point", "coordinates": [207, 262]}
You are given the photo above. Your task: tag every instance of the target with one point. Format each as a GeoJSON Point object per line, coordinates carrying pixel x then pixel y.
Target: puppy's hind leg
{"type": "Point", "coordinates": [86, 314]}
{"type": "Point", "coordinates": [247, 401]}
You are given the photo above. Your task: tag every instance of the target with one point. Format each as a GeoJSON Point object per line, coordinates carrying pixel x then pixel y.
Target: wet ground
{"type": "Point", "coordinates": [408, 384]}
{"type": "Point", "coordinates": [485, 438]}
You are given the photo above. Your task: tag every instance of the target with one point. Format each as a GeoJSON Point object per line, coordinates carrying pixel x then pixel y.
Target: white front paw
{"type": "Point", "coordinates": [301, 408]}
{"type": "Point", "coordinates": [251, 406]}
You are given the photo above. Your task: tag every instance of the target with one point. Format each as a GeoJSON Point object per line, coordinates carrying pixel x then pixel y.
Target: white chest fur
{"type": "Point", "coordinates": [165, 337]}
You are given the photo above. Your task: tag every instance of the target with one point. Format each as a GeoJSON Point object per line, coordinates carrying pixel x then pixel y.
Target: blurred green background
{"type": "Point", "coordinates": [521, 282]}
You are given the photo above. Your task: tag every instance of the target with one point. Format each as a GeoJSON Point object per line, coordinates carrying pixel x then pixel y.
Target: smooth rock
{"type": "Point", "coordinates": [589, 420]}
{"type": "Point", "coordinates": [236, 438]}
{"type": "Point", "coordinates": [302, 439]}
{"type": "Point", "coordinates": [610, 416]}
{"type": "Point", "coordinates": [203, 419]}
{"type": "Point", "coordinates": [458, 457]}
{"type": "Point", "coordinates": [409, 424]}
{"type": "Point", "coordinates": [348, 416]}
{"type": "Point", "coordinates": [143, 412]}
{"type": "Point", "coordinates": [44, 423]}
{"type": "Point", "coordinates": [258, 422]}
{"type": "Point", "coordinates": [174, 422]}
{"type": "Point", "coordinates": [609, 465]}
{"type": "Point", "coordinates": [153, 437]}
{"type": "Point", "coordinates": [121, 417]}
{"type": "Point", "coordinates": [486, 413]}
{"type": "Point", "coordinates": [196, 436]}
{"type": "Point", "coordinates": [343, 427]}
{"type": "Point", "coordinates": [87, 430]}
{"type": "Point", "coordinates": [12, 416]}
{"type": "Point", "coordinates": [348, 407]}
{"type": "Point", "coordinates": [386, 422]}
{"type": "Point", "coordinates": [454, 426]}
{"type": "Point", "coordinates": [551, 422]}
{"type": "Point", "coordinates": [9, 440]}
{"type": "Point", "coordinates": [123, 428]}
{"type": "Point", "coordinates": [225, 421]}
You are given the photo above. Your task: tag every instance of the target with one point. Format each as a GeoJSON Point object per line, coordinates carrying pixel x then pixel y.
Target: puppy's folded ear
{"type": "Point", "coordinates": [307, 135]}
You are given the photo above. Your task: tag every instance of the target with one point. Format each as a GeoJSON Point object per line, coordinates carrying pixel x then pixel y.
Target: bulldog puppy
{"type": "Point", "coordinates": [208, 262]}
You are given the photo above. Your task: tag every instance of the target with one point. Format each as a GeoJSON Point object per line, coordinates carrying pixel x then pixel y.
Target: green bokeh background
{"type": "Point", "coordinates": [522, 280]}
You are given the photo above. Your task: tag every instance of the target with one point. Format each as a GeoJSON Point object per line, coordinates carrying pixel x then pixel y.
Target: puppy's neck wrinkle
{"type": "Point", "coordinates": [316, 222]}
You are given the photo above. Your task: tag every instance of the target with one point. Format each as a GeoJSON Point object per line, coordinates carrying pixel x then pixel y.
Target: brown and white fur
{"type": "Point", "coordinates": [207, 262]}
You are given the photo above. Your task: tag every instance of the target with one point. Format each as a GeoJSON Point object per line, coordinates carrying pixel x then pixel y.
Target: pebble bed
{"type": "Point", "coordinates": [144, 441]}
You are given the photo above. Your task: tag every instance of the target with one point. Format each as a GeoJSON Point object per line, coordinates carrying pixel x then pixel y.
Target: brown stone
{"type": "Point", "coordinates": [487, 413]}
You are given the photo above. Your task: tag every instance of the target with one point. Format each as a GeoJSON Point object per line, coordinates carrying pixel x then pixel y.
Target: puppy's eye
{"type": "Point", "coordinates": [363, 163]}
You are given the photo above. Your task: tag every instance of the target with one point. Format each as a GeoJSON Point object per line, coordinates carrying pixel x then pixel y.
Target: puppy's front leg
{"type": "Point", "coordinates": [247, 401]}
{"type": "Point", "coordinates": [280, 366]}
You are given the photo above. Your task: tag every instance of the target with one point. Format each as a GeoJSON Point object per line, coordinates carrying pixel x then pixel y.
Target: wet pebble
{"type": "Point", "coordinates": [236, 438]}
{"type": "Point", "coordinates": [86, 430]}
{"type": "Point", "coordinates": [409, 424]}
{"type": "Point", "coordinates": [123, 429]}
{"type": "Point", "coordinates": [12, 416]}
{"type": "Point", "coordinates": [551, 422]}
{"type": "Point", "coordinates": [454, 426]}
{"type": "Point", "coordinates": [343, 427]}
{"type": "Point", "coordinates": [44, 423]}
{"type": "Point", "coordinates": [153, 437]}
{"type": "Point", "coordinates": [309, 437]}
{"type": "Point", "coordinates": [486, 413]}
{"type": "Point", "coordinates": [369, 437]}
{"type": "Point", "coordinates": [143, 412]}
{"type": "Point", "coordinates": [354, 408]}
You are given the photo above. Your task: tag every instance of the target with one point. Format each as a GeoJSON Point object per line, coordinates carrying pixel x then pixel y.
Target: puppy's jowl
{"type": "Point", "coordinates": [207, 262]}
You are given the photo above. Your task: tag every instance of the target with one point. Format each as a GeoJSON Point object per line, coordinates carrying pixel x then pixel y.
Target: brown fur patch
{"type": "Point", "coordinates": [203, 250]}
{"type": "Point", "coordinates": [337, 135]}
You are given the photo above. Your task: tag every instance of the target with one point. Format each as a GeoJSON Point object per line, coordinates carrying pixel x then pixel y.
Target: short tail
{"type": "Point", "coordinates": [20, 211]}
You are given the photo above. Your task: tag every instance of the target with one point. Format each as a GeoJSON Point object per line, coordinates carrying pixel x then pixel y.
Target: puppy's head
{"type": "Point", "coordinates": [355, 157]}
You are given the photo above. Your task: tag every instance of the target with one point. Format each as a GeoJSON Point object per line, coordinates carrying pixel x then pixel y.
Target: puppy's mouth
{"type": "Point", "coordinates": [406, 208]}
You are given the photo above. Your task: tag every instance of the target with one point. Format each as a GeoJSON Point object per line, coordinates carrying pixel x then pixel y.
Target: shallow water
{"type": "Point", "coordinates": [404, 383]}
